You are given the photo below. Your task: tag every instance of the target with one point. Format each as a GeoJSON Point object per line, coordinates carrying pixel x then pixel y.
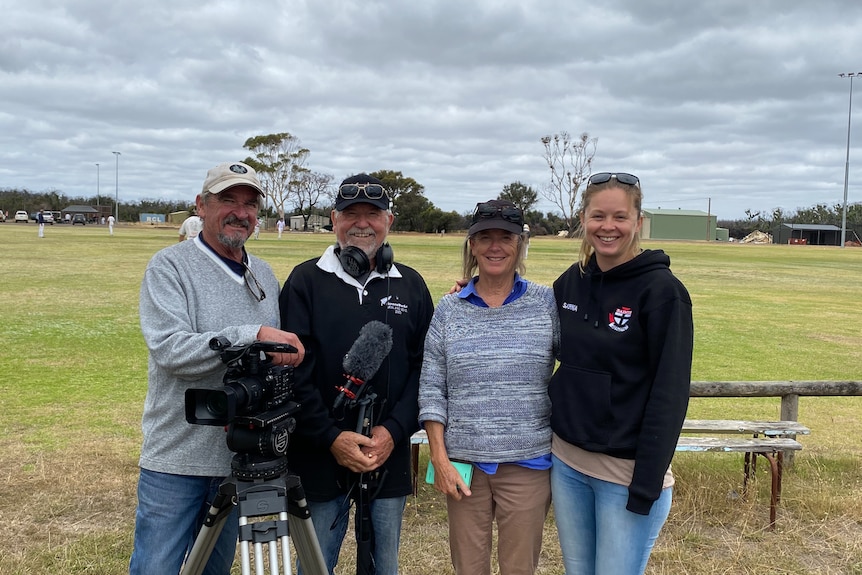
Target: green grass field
{"type": "Point", "coordinates": [73, 379]}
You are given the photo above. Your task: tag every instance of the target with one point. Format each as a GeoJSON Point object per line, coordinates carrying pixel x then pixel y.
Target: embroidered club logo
{"type": "Point", "coordinates": [619, 320]}
{"type": "Point", "coordinates": [394, 305]}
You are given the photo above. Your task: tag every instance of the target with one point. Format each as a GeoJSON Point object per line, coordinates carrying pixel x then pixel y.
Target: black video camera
{"type": "Point", "coordinates": [254, 403]}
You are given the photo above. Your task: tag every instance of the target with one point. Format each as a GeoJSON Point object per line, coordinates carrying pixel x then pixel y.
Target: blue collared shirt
{"type": "Point", "coordinates": [468, 292]}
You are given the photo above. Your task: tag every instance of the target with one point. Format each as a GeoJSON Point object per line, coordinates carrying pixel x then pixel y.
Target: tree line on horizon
{"type": "Point", "coordinates": [418, 214]}
{"type": "Point", "coordinates": [293, 189]}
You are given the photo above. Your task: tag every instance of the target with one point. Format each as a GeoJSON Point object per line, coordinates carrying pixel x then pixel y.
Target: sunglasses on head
{"type": "Point", "coordinates": [623, 178]}
{"type": "Point", "coordinates": [487, 211]}
{"type": "Point", "coordinates": [371, 191]}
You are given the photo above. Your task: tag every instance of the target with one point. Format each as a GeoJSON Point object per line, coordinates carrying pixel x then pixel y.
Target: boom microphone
{"type": "Point", "coordinates": [364, 358]}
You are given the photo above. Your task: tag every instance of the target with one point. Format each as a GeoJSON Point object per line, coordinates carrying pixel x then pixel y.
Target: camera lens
{"type": "Point", "coordinates": [217, 404]}
{"type": "Point", "coordinates": [210, 406]}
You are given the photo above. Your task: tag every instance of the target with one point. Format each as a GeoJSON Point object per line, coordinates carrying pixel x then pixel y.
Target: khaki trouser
{"type": "Point", "coordinates": [519, 499]}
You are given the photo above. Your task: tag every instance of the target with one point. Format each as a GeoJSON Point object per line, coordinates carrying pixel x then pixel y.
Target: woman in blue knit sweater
{"type": "Point", "coordinates": [483, 398]}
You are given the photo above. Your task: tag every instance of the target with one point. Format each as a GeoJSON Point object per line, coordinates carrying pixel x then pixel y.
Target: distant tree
{"type": "Point", "coordinates": [817, 214]}
{"type": "Point", "coordinates": [278, 160]}
{"type": "Point", "coordinates": [434, 220]}
{"type": "Point", "coordinates": [537, 223]}
{"type": "Point", "coordinates": [310, 190]}
{"type": "Point", "coordinates": [398, 185]}
{"type": "Point", "coordinates": [413, 206]}
{"type": "Point", "coordinates": [521, 195]}
{"type": "Point", "coordinates": [570, 162]}
{"type": "Point", "coordinates": [778, 217]}
{"type": "Point", "coordinates": [555, 224]}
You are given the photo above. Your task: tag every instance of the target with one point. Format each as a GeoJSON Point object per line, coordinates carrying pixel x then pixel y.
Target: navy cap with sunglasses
{"type": "Point", "coordinates": [362, 188]}
{"type": "Point", "coordinates": [497, 215]}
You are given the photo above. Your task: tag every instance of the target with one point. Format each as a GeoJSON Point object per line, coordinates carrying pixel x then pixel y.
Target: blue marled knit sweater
{"type": "Point", "coordinates": [485, 376]}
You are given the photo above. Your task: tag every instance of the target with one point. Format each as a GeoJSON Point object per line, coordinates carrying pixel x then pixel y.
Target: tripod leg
{"type": "Point", "coordinates": [209, 533]}
{"type": "Point", "coordinates": [307, 546]}
{"type": "Point", "coordinates": [285, 547]}
{"type": "Point", "coordinates": [245, 551]}
{"type": "Point", "coordinates": [272, 546]}
{"type": "Point", "coordinates": [258, 559]}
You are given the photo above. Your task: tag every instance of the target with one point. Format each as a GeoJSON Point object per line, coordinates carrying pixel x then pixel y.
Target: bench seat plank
{"type": "Point", "coordinates": [767, 428]}
{"type": "Point", "coordinates": [741, 445]}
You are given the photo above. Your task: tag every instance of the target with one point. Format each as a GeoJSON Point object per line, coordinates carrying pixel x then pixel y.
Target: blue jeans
{"type": "Point", "coordinates": [598, 536]}
{"type": "Point", "coordinates": [331, 518]}
{"type": "Point", "coordinates": [171, 510]}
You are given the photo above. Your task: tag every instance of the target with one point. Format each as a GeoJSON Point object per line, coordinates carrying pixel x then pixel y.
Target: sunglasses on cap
{"type": "Point", "coordinates": [621, 177]}
{"type": "Point", "coordinates": [488, 211]}
{"type": "Point", "coordinates": [370, 191]}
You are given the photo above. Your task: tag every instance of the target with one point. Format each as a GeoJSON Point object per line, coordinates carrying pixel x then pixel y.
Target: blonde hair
{"type": "Point", "coordinates": [633, 192]}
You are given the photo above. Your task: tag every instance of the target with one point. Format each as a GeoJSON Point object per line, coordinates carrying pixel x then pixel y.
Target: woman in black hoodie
{"type": "Point", "coordinates": [620, 394]}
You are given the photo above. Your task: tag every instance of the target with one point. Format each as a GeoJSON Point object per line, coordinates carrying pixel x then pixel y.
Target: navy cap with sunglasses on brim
{"type": "Point", "coordinates": [497, 215]}
{"type": "Point", "coordinates": [362, 188]}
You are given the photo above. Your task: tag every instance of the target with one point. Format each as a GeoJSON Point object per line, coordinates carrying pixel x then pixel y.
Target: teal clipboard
{"type": "Point", "coordinates": [465, 469]}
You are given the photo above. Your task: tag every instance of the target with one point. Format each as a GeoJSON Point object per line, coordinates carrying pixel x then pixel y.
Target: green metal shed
{"type": "Point", "coordinates": [666, 224]}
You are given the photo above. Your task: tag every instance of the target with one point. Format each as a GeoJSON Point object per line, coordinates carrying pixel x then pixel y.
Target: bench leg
{"type": "Point", "coordinates": [414, 462]}
{"type": "Point", "coordinates": [775, 495]}
{"type": "Point", "coordinates": [775, 471]}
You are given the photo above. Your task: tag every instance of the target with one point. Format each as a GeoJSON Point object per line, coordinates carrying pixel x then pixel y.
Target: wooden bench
{"type": "Point", "coordinates": [770, 439]}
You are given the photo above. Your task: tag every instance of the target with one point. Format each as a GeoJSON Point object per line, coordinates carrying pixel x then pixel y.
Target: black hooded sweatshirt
{"type": "Point", "coordinates": [622, 386]}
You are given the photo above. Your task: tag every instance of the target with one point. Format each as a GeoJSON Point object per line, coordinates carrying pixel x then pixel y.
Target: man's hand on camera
{"type": "Point", "coordinates": [267, 333]}
{"type": "Point", "coordinates": [347, 449]}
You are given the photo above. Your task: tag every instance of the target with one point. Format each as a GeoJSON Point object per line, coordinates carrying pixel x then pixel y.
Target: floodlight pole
{"type": "Point", "coordinates": [117, 188]}
{"type": "Point", "coordinates": [850, 75]}
{"type": "Point", "coordinates": [98, 203]}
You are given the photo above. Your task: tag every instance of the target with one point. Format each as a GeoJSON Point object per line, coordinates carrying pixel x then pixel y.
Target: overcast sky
{"type": "Point", "coordinates": [724, 105]}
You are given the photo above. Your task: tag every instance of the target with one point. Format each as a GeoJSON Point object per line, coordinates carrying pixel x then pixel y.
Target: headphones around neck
{"type": "Point", "coordinates": [356, 263]}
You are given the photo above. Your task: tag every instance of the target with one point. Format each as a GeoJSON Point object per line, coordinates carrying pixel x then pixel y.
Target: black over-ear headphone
{"type": "Point", "coordinates": [356, 263]}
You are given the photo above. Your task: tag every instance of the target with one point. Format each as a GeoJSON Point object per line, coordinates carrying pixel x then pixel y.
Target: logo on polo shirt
{"type": "Point", "coordinates": [394, 305]}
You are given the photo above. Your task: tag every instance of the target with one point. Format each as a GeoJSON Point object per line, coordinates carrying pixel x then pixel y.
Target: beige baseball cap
{"type": "Point", "coordinates": [231, 174]}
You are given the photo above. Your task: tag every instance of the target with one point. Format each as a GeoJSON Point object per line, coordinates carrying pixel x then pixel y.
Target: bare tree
{"type": "Point", "coordinates": [571, 164]}
{"type": "Point", "coordinates": [278, 159]}
{"type": "Point", "coordinates": [310, 188]}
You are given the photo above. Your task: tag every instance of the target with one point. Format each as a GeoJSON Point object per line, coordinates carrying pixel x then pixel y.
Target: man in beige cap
{"type": "Point", "coordinates": [192, 292]}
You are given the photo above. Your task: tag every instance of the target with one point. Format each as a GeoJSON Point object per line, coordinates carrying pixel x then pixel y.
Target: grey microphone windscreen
{"type": "Point", "coordinates": [368, 351]}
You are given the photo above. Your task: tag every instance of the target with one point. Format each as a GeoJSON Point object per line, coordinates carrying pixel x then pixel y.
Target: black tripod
{"type": "Point", "coordinates": [261, 487]}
